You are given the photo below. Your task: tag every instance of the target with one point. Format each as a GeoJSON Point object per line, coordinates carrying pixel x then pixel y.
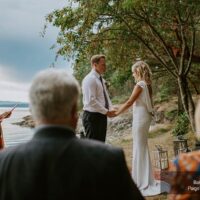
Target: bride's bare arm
{"type": "Point", "coordinates": [135, 94]}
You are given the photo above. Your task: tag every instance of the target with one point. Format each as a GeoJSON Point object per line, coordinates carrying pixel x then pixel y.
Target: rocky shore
{"type": "Point", "coordinates": [118, 127]}
{"type": "Point", "coordinates": [26, 121]}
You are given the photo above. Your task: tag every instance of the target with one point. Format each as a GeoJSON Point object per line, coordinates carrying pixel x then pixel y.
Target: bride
{"type": "Point", "coordinates": [141, 99]}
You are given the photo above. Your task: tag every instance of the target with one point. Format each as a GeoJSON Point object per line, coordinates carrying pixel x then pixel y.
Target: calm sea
{"type": "Point", "coordinates": [14, 134]}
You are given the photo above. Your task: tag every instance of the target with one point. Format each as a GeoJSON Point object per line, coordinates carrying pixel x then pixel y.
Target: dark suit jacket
{"type": "Point", "coordinates": [56, 165]}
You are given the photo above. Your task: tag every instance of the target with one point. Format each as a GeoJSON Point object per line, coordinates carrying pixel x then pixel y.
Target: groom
{"type": "Point", "coordinates": [97, 105]}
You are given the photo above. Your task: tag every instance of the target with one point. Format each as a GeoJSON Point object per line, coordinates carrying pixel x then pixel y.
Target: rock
{"type": "Point", "coordinates": [27, 121]}
{"type": "Point", "coordinates": [159, 116]}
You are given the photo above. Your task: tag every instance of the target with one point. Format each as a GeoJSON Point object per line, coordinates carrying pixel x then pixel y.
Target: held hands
{"type": "Point", "coordinates": [113, 113]}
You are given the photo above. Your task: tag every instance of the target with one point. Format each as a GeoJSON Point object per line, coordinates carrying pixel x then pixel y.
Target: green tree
{"type": "Point", "coordinates": [162, 32]}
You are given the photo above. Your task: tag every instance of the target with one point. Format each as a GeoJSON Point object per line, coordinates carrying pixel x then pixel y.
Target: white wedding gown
{"type": "Point", "coordinates": [141, 167]}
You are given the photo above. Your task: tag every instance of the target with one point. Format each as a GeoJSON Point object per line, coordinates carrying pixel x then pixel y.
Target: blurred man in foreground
{"type": "Point", "coordinates": [55, 164]}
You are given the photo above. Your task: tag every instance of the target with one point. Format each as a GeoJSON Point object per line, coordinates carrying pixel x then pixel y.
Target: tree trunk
{"type": "Point", "coordinates": [194, 86]}
{"type": "Point", "coordinates": [187, 101]}
{"type": "Point", "coordinates": [180, 104]}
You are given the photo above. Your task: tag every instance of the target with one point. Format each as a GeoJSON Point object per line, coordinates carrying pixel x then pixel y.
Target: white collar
{"type": "Point", "coordinates": [93, 71]}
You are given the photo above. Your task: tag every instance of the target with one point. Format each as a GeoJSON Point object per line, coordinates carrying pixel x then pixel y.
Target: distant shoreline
{"type": "Point", "coordinates": [10, 104]}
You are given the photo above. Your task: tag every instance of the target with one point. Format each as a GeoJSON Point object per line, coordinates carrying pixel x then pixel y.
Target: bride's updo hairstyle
{"type": "Point", "coordinates": [142, 71]}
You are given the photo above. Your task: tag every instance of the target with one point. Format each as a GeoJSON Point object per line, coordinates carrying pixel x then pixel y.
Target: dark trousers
{"type": "Point", "coordinates": [95, 125]}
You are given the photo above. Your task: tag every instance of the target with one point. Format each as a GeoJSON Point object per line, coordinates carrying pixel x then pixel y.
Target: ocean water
{"type": "Point", "coordinates": [15, 134]}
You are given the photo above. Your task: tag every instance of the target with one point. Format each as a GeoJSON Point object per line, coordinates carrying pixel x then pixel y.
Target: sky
{"type": "Point", "coordinates": [23, 52]}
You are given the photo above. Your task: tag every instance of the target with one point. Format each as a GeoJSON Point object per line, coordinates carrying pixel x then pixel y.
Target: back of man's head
{"type": "Point", "coordinates": [53, 97]}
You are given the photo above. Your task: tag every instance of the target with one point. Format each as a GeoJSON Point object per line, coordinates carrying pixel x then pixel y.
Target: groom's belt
{"type": "Point", "coordinates": [94, 113]}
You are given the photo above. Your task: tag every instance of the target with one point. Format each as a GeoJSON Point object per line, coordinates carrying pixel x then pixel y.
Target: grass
{"type": "Point", "coordinates": [171, 115]}
{"type": "Point", "coordinates": [158, 132]}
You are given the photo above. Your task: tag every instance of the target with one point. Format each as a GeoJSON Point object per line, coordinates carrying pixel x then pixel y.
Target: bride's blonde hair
{"type": "Point", "coordinates": [142, 71]}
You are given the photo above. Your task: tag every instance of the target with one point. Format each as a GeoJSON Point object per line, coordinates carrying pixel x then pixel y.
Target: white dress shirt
{"type": "Point", "coordinates": [93, 97]}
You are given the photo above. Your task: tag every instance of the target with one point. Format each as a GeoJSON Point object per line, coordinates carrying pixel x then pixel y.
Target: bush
{"type": "Point", "coordinates": [182, 125]}
{"type": "Point", "coordinates": [171, 115]}
{"type": "Point", "coordinates": [164, 93]}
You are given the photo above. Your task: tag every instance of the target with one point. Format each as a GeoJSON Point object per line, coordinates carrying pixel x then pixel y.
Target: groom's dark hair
{"type": "Point", "coordinates": [96, 58]}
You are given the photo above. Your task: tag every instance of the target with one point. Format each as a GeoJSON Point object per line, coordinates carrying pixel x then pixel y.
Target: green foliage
{"type": "Point", "coordinates": [125, 30]}
{"type": "Point", "coordinates": [164, 94]}
{"type": "Point", "coordinates": [171, 115]}
{"type": "Point", "coordinates": [157, 133]}
{"type": "Point", "coordinates": [182, 125]}
{"type": "Point", "coordinates": [164, 87]}
{"type": "Point", "coordinates": [119, 78]}
{"type": "Point", "coordinates": [81, 68]}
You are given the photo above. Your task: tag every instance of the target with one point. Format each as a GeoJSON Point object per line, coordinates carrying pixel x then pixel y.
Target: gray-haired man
{"type": "Point", "coordinates": [55, 164]}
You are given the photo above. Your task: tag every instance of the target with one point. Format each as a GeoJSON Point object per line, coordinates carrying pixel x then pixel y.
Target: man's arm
{"type": "Point", "coordinates": [135, 94]}
{"type": "Point", "coordinates": [5, 115]}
